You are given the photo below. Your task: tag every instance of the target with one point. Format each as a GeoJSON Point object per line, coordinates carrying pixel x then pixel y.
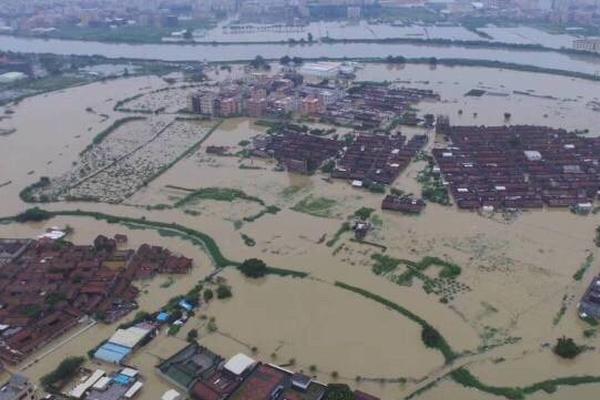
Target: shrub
{"type": "Point", "coordinates": [192, 335]}
{"type": "Point", "coordinates": [431, 337]}
{"type": "Point", "coordinates": [339, 391]}
{"type": "Point", "coordinates": [363, 213]}
{"type": "Point", "coordinates": [65, 371]}
{"type": "Point", "coordinates": [567, 348]}
{"type": "Point", "coordinates": [253, 268]}
{"type": "Point", "coordinates": [33, 215]}
{"type": "Point", "coordinates": [208, 295]}
{"type": "Point", "coordinates": [223, 292]}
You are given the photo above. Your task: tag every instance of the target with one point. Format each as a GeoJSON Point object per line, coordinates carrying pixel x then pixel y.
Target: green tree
{"type": "Point", "coordinates": [339, 391]}
{"type": "Point", "coordinates": [192, 335]}
{"type": "Point", "coordinates": [223, 292]}
{"type": "Point", "coordinates": [65, 371]}
{"type": "Point", "coordinates": [207, 295]}
{"type": "Point", "coordinates": [363, 213]}
{"type": "Point", "coordinates": [285, 60]}
{"type": "Point", "coordinates": [253, 268]}
{"type": "Point", "coordinates": [567, 348]}
{"type": "Point", "coordinates": [34, 215]}
{"type": "Point", "coordinates": [431, 337]}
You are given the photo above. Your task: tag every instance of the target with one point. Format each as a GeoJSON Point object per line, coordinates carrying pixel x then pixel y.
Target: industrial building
{"type": "Point", "coordinates": [123, 343]}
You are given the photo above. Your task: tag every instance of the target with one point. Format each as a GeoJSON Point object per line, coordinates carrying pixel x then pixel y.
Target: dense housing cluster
{"type": "Point", "coordinates": [301, 153]}
{"type": "Point", "coordinates": [377, 158]}
{"type": "Point", "coordinates": [370, 106]}
{"type": "Point", "coordinates": [362, 106]}
{"type": "Point", "coordinates": [51, 285]}
{"type": "Point", "coordinates": [207, 376]}
{"type": "Point", "coordinates": [519, 167]}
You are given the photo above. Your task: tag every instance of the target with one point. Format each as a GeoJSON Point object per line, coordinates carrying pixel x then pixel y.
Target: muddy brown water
{"type": "Point", "coordinates": [517, 271]}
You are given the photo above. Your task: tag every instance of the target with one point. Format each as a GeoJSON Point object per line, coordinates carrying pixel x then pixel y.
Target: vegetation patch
{"type": "Point", "coordinates": [465, 378]}
{"type": "Point", "coordinates": [248, 241]}
{"type": "Point", "coordinates": [561, 311]}
{"type": "Point", "coordinates": [444, 285]}
{"type": "Point", "coordinates": [315, 206]}
{"type": "Point", "coordinates": [65, 371]}
{"type": "Point", "coordinates": [268, 210]}
{"type": "Point", "coordinates": [432, 188]}
{"type": "Point", "coordinates": [343, 229]}
{"type": "Point", "coordinates": [33, 215]}
{"type": "Point", "coordinates": [584, 267]}
{"type": "Point", "coordinates": [567, 348]}
{"type": "Point", "coordinates": [217, 194]}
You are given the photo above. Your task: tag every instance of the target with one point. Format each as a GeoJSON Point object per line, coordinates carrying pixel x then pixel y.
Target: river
{"type": "Point", "coordinates": [182, 52]}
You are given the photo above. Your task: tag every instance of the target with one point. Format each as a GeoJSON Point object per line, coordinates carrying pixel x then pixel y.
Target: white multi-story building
{"type": "Point", "coordinates": [590, 44]}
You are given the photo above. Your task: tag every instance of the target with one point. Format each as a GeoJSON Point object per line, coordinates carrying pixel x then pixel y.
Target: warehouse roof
{"type": "Point", "coordinates": [129, 337]}
{"type": "Point", "coordinates": [112, 353]}
{"type": "Point", "coordinates": [239, 363]}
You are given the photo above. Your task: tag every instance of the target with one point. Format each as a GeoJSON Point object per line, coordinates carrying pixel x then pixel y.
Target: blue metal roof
{"type": "Point", "coordinates": [122, 379]}
{"type": "Point", "coordinates": [112, 353]}
{"type": "Point", "coordinates": [163, 317]}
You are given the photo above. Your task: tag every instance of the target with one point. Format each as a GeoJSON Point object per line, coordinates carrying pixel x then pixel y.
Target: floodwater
{"type": "Point", "coordinates": [514, 273]}
{"type": "Point", "coordinates": [364, 30]}
{"type": "Point", "coordinates": [180, 52]}
{"type": "Point", "coordinates": [561, 102]}
{"type": "Point", "coordinates": [335, 30]}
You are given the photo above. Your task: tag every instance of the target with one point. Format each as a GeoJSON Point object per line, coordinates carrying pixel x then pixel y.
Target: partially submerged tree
{"type": "Point", "coordinates": [339, 391]}
{"type": "Point", "coordinates": [567, 348]}
{"type": "Point", "coordinates": [254, 268]}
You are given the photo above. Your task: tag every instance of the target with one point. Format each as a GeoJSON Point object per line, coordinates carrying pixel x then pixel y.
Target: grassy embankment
{"type": "Point", "coordinates": [223, 194]}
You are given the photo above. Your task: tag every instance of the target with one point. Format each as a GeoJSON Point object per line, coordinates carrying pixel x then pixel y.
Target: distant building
{"type": "Point", "coordinates": [353, 12]}
{"type": "Point", "coordinates": [321, 70]}
{"type": "Point", "coordinates": [590, 44]}
{"type": "Point", "coordinates": [18, 388]}
{"type": "Point", "coordinates": [256, 106]}
{"type": "Point", "coordinates": [230, 106]}
{"type": "Point", "coordinates": [311, 105]}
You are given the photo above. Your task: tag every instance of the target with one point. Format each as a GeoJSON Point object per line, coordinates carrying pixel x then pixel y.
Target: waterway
{"type": "Point", "coordinates": [224, 53]}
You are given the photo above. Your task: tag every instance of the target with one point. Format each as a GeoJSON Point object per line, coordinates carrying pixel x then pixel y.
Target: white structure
{"type": "Point", "coordinates": [239, 364]}
{"type": "Point", "coordinates": [12, 77]}
{"type": "Point", "coordinates": [78, 391]}
{"type": "Point", "coordinates": [322, 70]}
{"type": "Point", "coordinates": [102, 383]}
{"type": "Point", "coordinates": [171, 394]}
{"type": "Point", "coordinates": [133, 390]}
{"type": "Point", "coordinates": [129, 337]}
{"type": "Point", "coordinates": [533, 155]}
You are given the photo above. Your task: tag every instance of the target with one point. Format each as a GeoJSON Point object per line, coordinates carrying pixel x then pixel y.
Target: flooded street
{"type": "Point", "coordinates": [515, 274]}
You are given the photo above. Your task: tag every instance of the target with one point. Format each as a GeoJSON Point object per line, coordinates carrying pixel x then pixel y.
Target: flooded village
{"type": "Point", "coordinates": [300, 229]}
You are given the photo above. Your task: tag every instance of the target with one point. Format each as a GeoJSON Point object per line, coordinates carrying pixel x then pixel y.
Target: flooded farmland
{"type": "Point", "coordinates": [516, 275]}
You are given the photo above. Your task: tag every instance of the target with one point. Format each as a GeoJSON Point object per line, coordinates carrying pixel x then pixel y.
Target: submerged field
{"type": "Point", "coordinates": [497, 290]}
